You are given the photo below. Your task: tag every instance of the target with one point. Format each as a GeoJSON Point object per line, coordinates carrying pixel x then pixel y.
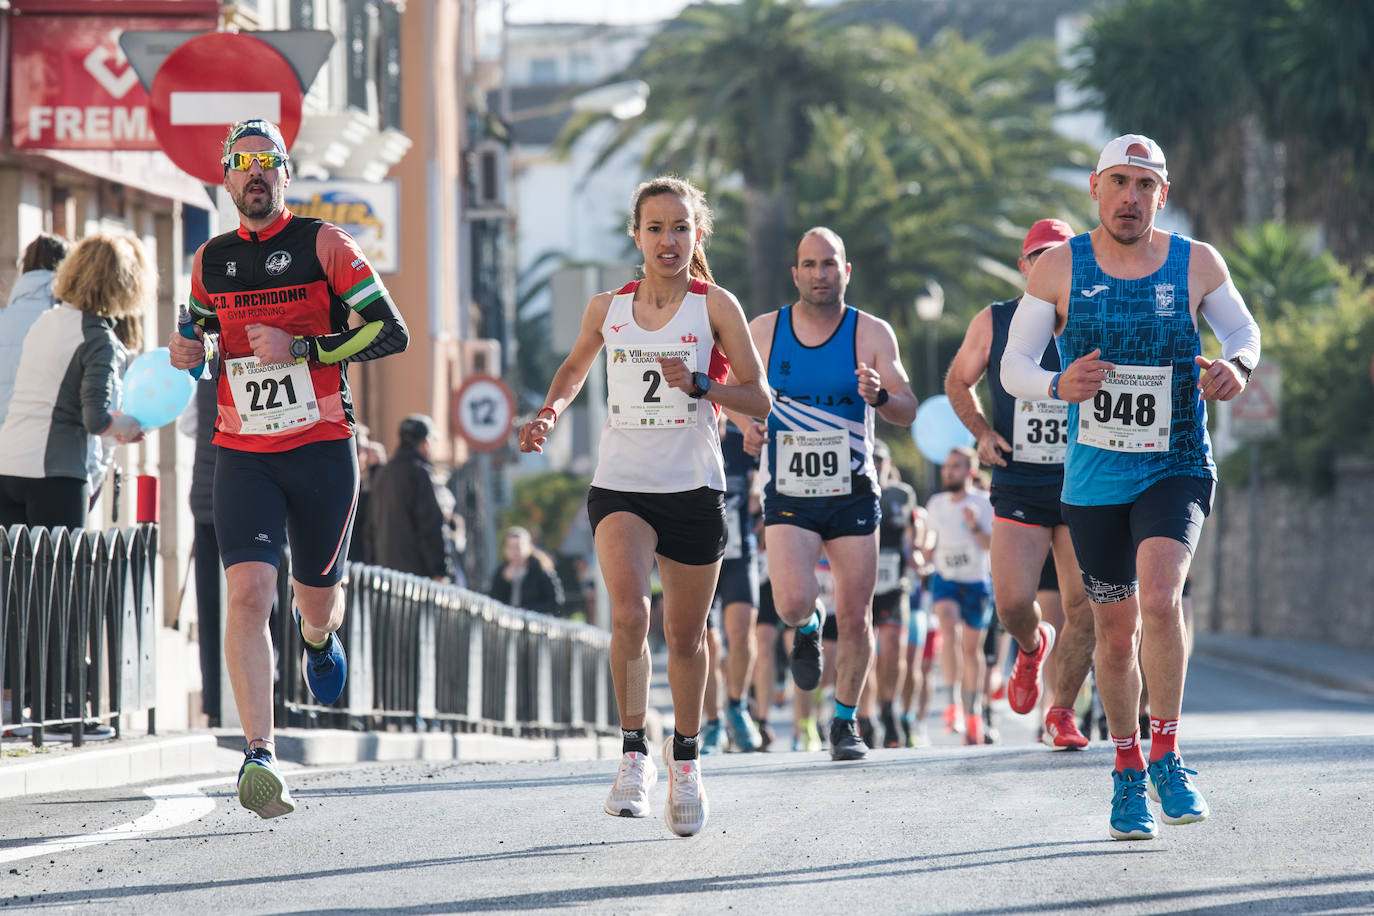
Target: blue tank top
{"type": "Point", "coordinates": [738, 464]}
{"type": "Point", "coordinates": [815, 388]}
{"type": "Point", "coordinates": [1144, 322]}
{"type": "Point", "coordinates": [1016, 473]}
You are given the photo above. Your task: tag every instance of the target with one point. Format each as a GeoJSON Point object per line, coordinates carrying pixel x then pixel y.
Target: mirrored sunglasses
{"type": "Point", "coordinates": [242, 162]}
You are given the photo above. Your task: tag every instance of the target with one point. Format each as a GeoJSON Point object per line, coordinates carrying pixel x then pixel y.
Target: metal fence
{"type": "Point", "coordinates": [78, 627]}
{"type": "Point", "coordinates": [78, 633]}
{"type": "Point", "coordinates": [429, 656]}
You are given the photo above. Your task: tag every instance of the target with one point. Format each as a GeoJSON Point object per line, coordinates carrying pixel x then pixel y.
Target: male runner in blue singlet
{"type": "Point", "coordinates": [831, 367]}
{"type": "Point", "coordinates": [1138, 473]}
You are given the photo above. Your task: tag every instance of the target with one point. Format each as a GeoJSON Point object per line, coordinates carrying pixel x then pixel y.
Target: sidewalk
{"type": "Point", "coordinates": [58, 767]}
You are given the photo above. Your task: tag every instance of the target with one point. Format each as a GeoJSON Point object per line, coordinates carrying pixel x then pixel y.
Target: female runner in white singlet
{"type": "Point", "coordinates": [675, 343]}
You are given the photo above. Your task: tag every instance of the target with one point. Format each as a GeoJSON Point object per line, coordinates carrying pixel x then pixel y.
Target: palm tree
{"type": "Point", "coordinates": [735, 91]}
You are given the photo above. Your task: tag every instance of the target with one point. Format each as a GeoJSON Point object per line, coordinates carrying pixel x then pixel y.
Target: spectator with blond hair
{"type": "Point", "coordinates": [67, 385]}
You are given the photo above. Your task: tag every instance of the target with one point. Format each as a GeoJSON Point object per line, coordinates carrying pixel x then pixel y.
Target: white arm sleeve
{"type": "Point", "coordinates": [1032, 328]}
{"type": "Point", "coordinates": [1231, 321]}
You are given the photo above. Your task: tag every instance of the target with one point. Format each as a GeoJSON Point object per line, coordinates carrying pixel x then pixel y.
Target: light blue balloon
{"type": "Point", "coordinates": [938, 429]}
{"type": "Point", "coordinates": [154, 393]}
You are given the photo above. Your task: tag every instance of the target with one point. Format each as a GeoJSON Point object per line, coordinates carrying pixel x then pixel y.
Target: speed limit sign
{"type": "Point", "coordinates": [485, 408]}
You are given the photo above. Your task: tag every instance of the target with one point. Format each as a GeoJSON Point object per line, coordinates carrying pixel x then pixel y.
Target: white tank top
{"type": "Point", "coordinates": [656, 439]}
{"type": "Point", "coordinates": [958, 555]}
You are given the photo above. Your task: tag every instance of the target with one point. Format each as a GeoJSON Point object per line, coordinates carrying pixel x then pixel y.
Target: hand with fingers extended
{"type": "Point", "coordinates": [1218, 379]}
{"type": "Point", "coordinates": [1082, 378]}
{"type": "Point", "coordinates": [991, 447]}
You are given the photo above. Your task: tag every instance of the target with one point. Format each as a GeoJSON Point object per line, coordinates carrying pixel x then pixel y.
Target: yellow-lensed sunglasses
{"type": "Point", "coordinates": [242, 162]}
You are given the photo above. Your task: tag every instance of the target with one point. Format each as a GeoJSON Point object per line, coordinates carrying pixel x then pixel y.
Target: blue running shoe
{"type": "Point", "coordinates": [261, 788]}
{"type": "Point", "coordinates": [325, 669]}
{"type": "Point", "coordinates": [744, 734]}
{"type": "Point", "coordinates": [1180, 800]}
{"type": "Point", "coordinates": [713, 738]}
{"type": "Point", "coordinates": [1131, 817]}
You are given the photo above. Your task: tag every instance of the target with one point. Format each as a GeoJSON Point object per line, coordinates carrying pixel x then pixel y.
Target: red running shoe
{"type": "Point", "coordinates": [1023, 691]}
{"type": "Point", "coordinates": [1062, 731]}
{"type": "Point", "coordinates": [952, 712]}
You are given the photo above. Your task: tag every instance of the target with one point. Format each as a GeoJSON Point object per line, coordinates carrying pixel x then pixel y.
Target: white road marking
{"type": "Point", "coordinates": [173, 805]}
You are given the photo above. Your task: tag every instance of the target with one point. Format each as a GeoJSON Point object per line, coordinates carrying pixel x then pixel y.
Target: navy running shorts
{"type": "Point", "coordinates": [305, 497]}
{"type": "Point", "coordinates": [1174, 508]}
{"type": "Point", "coordinates": [690, 525]}
{"type": "Point", "coordinates": [768, 613]}
{"type": "Point", "coordinates": [738, 582]}
{"type": "Point", "coordinates": [973, 598]}
{"type": "Point", "coordinates": [1037, 507]}
{"type": "Point", "coordinates": [829, 516]}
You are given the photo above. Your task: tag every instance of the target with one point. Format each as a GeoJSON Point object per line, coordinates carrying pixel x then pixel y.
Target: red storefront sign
{"type": "Point", "coordinates": [71, 87]}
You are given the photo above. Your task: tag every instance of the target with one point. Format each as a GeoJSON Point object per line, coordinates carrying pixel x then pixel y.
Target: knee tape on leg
{"type": "Point", "coordinates": [637, 685]}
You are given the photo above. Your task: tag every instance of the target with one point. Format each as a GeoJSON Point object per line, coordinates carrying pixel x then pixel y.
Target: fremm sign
{"type": "Point", "coordinates": [71, 86]}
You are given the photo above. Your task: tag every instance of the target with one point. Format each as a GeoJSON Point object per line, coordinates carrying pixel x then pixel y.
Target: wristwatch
{"type": "Point", "coordinates": [1243, 362]}
{"type": "Point", "coordinates": [701, 383]}
{"type": "Point", "coordinates": [881, 399]}
{"type": "Point", "coordinates": [300, 348]}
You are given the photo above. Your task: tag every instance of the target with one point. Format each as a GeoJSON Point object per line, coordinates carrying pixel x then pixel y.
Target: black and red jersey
{"type": "Point", "coordinates": [304, 276]}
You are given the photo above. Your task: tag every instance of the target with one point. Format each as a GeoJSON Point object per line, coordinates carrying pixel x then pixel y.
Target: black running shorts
{"type": "Point", "coordinates": [1106, 538]}
{"type": "Point", "coordinates": [690, 525]}
{"type": "Point", "coordinates": [306, 495]}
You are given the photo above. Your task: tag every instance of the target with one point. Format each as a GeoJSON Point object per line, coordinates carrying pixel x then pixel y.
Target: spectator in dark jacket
{"type": "Point", "coordinates": [527, 579]}
{"type": "Point", "coordinates": [404, 515]}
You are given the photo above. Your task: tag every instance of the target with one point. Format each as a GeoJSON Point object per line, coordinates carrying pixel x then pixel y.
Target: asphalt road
{"type": "Point", "coordinates": [1011, 828]}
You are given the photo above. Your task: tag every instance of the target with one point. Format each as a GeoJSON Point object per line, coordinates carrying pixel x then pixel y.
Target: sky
{"type": "Point", "coordinates": [616, 11]}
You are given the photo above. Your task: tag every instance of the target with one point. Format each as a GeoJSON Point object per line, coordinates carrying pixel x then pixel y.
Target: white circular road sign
{"type": "Point", "coordinates": [485, 408]}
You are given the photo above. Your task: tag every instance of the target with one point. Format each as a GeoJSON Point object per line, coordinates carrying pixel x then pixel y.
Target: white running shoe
{"type": "Point", "coordinates": [630, 795]}
{"type": "Point", "coordinates": [687, 808]}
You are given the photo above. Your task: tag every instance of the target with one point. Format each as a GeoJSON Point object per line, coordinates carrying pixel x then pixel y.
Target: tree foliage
{"type": "Point", "coordinates": [1218, 81]}
{"type": "Point", "coordinates": [1317, 319]}
{"type": "Point", "coordinates": [546, 504]}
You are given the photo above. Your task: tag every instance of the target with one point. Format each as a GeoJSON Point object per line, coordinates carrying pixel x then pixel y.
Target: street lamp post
{"type": "Point", "coordinates": [930, 305]}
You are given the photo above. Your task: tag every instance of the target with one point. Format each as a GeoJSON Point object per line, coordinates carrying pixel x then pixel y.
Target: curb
{"type": "Point", "coordinates": [134, 760]}
{"type": "Point", "coordinates": [1306, 673]}
{"type": "Point", "coordinates": [333, 747]}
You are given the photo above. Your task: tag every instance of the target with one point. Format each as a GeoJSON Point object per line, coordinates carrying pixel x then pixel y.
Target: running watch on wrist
{"type": "Point", "coordinates": [881, 399]}
{"type": "Point", "coordinates": [1243, 363]}
{"type": "Point", "coordinates": [701, 383]}
{"type": "Point", "coordinates": [300, 348]}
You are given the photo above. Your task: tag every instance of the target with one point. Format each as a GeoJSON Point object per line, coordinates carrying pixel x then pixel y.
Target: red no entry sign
{"type": "Point", "coordinates": [209, 83]}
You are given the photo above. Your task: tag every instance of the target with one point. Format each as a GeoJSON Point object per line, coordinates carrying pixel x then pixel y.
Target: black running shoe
{"type": "Point", "coordinates": [806, 662]}
{"type": "Point", "coordinates": [845, 743]}
{"type": "Point", "coordinates": [766, 733]}
{"type": "Point", "coordinates": [892, 735]}
{"type": "Point", "coordinates": [866, 731]}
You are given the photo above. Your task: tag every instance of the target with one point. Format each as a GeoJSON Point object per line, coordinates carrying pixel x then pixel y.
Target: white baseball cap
{"type": "Point", "coordinates": [1118, 152]}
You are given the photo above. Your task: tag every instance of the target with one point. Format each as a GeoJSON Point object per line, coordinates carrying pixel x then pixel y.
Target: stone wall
{"type": "Point", "coordinates": [1315, 569]}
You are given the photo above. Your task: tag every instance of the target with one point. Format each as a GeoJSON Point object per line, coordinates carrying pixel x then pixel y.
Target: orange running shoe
{"type": "Point", "coordinates": [973, 729]}
{"type": "Point", "coordinates": [1062, 731]}
{"type": "Point", "coordinates": [1023, 691]}
{"type": "Point", "coordinates": [952, 717]}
